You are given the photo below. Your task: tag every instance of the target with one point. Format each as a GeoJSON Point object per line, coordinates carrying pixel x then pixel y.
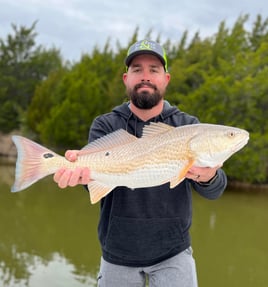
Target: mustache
{"type": "Point", "coordinates": [140, 85]}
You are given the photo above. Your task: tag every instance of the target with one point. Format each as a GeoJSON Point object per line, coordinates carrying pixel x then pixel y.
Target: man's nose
{"type": "Point", "coordinates": [145, 77]}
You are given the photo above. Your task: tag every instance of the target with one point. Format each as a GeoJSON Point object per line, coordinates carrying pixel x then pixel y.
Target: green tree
{"type": "Point", "coordinates": [22, 66]}
{"type": "Point", "coordinates": [222, 79]}
{"type": "Point", "coordinates": [80, 96]}
{"type": "Point", "coordinates": [46, 96]}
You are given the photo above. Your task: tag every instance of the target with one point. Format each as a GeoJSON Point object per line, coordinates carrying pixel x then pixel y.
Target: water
{"type": "Point", "coordinates": [230, 240]}
{"type": "Point", "coordinates": [48, 237]}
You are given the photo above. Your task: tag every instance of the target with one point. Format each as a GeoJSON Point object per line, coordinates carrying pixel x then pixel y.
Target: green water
{"type": "Point", "coordinates": [48, 237]}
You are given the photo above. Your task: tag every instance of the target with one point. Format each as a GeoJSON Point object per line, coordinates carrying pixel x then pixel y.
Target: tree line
{"type": "Point", "coordinates": [222, 79]}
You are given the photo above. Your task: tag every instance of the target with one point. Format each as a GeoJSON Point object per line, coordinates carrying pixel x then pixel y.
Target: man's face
{"type": "Point", "coordinates": [146, 81]}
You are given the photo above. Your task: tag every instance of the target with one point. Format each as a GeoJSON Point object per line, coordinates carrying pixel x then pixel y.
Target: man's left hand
{"type": "Point", "coordinates": [202, 174]}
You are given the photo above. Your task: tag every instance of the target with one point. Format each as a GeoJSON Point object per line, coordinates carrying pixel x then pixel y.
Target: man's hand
{"type": "Point", "coordinates": [202, 174]}
{"type": "Point", "coordinates": [66, 177]}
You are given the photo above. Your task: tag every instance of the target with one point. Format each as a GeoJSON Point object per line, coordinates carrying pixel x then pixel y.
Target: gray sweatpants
{"type": "Point", "coordinates": [178, 271]}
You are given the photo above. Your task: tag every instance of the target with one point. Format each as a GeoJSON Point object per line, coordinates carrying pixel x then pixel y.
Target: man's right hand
{"type": "Point", "coordinates": [67, 177]}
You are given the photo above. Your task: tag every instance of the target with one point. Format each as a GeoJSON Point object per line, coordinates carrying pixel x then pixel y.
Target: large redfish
{"type": "Point", "coordinates": [163, 154]}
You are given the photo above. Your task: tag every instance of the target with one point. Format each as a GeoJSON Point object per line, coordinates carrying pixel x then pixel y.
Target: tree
{"type": "Point", "coordinates": [75, 100]}
{"type": "Point", "coordinates": [222, 79]}
{"type": "Point", "coordinates": [46, 96]}
{"type": "Point", "coordinates": [22, 66]}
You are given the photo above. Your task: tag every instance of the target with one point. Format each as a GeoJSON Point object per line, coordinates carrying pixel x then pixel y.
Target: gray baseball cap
{"type": "Point", "coordinates": [146, 47]}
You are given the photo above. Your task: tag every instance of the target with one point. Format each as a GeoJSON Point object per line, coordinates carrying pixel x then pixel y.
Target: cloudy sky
{"type": "Point", "coordinates": [76, 26]}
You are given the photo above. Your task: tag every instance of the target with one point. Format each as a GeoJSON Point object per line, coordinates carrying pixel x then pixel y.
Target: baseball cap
{"type": "Point", "coordinates": [146, 47]}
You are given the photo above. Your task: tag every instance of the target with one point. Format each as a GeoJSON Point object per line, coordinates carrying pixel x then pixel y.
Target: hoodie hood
{"type": "Point", "coordinates": [125, 111]}
{"type": "Point", "coordinates": [134, 124]}
{"type": "Point", "coordinates": [122, 117]}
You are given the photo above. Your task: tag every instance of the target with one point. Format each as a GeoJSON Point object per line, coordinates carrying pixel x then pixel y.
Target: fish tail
{"type": "Point", "coordinates": [30, 165]}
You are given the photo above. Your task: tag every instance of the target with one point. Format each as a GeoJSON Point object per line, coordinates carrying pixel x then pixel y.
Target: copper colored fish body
{"type": "Point", "coordinates": [163, 154]}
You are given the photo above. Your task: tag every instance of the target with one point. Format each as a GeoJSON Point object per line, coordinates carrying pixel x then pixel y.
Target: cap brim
{"type": "Point", "coordinates": [130, 57]}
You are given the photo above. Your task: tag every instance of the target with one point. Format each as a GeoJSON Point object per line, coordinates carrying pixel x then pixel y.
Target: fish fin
{"type": "Point", "coordinates": [175, 181]}
{"type": "Point", "coordinates": [30, 163]}
{"type": "Point", "coordinates": [109, 141]}
{"type": "Point", "coordinates": [98, 190]}
{"type": "Point", "coordinates": [154, 129]}
{"type": "Point", "coordinates": [181, 176]}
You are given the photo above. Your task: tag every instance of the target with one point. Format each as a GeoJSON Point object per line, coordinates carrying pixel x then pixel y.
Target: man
{"type": "Point", "coordinates": [145, 232]}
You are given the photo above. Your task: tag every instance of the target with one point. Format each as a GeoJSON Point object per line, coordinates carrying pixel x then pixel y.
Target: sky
{"type": "Point", "coordinates": [77, 26]}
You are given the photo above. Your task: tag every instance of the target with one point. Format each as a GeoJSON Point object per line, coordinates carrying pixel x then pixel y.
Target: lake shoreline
{"type": "Point", "coordinates": [247, 186]}
{"type": "Point", "coordinates": [8, 152]}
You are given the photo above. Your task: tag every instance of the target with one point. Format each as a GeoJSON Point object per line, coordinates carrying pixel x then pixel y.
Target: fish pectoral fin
{"type": "Point", "coordinates": [183, 169]}
{"type": "Point", "coordinates": [98, 190]}
{"type": "Point", "coordinates": [175, 181]}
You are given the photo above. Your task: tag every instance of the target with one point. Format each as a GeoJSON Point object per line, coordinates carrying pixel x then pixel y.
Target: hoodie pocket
{"type": "Point", "coordinates": [133, 238]}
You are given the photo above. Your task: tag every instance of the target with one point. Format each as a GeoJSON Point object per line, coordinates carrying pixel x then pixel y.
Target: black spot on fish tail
{"type": "Point", "coordinates": [48, 155]}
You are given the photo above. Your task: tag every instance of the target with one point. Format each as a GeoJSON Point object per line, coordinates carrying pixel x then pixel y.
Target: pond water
{"type": "Point", "coordinates": [48, 237]}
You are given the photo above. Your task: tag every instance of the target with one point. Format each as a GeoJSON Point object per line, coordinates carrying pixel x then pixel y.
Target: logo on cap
{"type": "Point", "coordinates": [146, 47]}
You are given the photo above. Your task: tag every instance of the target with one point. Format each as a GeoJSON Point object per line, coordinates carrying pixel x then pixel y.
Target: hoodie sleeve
{"type": "Point", "coordinates": [213, 190]}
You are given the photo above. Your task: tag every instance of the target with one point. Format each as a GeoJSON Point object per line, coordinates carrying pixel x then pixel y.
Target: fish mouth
{"type": "Point", "coordinates": [241, 144]}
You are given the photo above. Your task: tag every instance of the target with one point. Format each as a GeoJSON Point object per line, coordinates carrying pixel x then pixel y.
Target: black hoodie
{"type": "Point", "coordinates": [144, 226]}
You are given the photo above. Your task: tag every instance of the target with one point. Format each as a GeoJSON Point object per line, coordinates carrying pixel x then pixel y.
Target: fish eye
{"type": "Point", "coordinates": [107, 153]}
{"type": "Point", "coordinates": [48, 155]}
{"type": "Point", "coordinates": [231, 134]}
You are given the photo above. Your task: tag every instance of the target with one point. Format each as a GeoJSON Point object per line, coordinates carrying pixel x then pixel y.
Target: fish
{"type": "Point", "coordinates": [162, 154]}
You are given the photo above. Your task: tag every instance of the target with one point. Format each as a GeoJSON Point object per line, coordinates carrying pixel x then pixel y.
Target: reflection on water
{"type": "Point", "coordinates": [6, 174]}
{"type": "Point", "coordinates": [42, 227]}
{"type": "Point", "coordinates": [48, 237]}
{"type": "Point", "coordinates": [42, 273]}
{"type": "Point", "coordinates": [230, 239]}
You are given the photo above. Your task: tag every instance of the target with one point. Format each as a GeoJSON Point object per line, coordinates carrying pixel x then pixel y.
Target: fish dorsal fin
{"type": "Point", "coordinates": [109, 141]}
{"type": "Point", "coordinates": [154, 129]}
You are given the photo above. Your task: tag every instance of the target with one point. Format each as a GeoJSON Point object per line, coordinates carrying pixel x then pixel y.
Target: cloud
{"type": "Point", "coordinates": [76, 26]}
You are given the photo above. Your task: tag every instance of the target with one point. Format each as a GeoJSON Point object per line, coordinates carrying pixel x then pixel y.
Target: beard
{"type": "Point", "coordinates": [145, 100]}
